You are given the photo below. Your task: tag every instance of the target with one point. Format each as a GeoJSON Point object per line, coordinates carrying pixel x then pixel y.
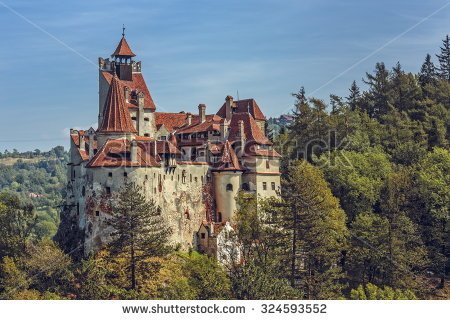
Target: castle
{"type": "Point", "coordinates": [191, 165]}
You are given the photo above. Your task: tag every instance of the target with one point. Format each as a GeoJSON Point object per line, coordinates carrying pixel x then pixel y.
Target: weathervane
{"type": "Point", "coordinates": [123, 30]}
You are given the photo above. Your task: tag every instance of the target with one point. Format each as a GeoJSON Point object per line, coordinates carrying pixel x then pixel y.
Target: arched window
{"type": "Point", "coordinates": [229, 187]}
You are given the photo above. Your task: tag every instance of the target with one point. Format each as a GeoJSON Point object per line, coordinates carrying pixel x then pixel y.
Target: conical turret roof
{"type": "Point", "coordinates": [116, 117]}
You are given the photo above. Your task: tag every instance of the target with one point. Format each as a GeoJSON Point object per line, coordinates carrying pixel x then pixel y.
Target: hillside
{"type": "Point", "coordinates": [38, 179]}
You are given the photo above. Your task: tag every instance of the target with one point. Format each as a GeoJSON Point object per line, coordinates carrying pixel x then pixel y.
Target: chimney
{"type": "Point", "coordinates": [82, 142]}
{"type": "Point", "coordinates": [228, 107]}
{"type": "Point", "coordinates": [202, 112]}
{"type": "Point", "coordinates": [127, 94]}
{"type": "Point", "coordinates": [224, 130]}
{"type": "Point", "coordinates": [133, 151]}
{"type": "Point", "coordinates": [140, 119]}
{"type": "Point", "coordinates": [155, 149]}
{"type": "Point", "coordinates": [140, 96]}
{"type": "Point", "coordinates": [91, 144]}
{"type": "Point", "coordinates": [241, 135]}
{"type": "Point", "coordinates": [189, 119]}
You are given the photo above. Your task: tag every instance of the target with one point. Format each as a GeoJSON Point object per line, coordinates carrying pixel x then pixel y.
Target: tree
{"type": "Point", "coordinates": [318, 232]}
{"type": "Point", "coordinates": [13, 280]}
{"type": "Point", "coordinates": [372, 292]}
{"type": "Point", "coordinates": [368, 254]}
{"type": "Point", "coordinates": [254, 282]}
{"type": "Point", "coordinates": [434, 186]}
{"type": "Point", "coordinates": [260, 273]}
{"type": "Point", "coordinates": [379, 102]}
{"type": "Point", "coordinates": [206, 276]}
{"type": "Point", "coordinates": [354, 97]}
{"type": "Point", "coordinates": [17, 220]}
{"type": "Point", "coordinates": [139, 229]}
{"type": "Point", "coordinates": [444, 59]}
{"type": "Point", "coordinates": [300, 128]}
{"type": "Point", "coordinates": [49, 268]}
{"type": "Point", "coordinates": [427, 74]}
{"type": "Point", "coordinates": [358, 185]}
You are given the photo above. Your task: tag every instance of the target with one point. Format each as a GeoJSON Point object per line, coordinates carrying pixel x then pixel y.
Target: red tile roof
{"type": "Point", "coordinates": [265, 153]}
{"type": "Point", "coordinates": [117, 153]}
{"type": "Point", "coordinates": [116, 117]}
{"type": "Point", "coordinates": [247, 105]}
{"type": "Point", "coordinates": [229, 160]}
{"type": "Point", "coordinates": [123, 49]}
{"type": "Point", "coordinates": [76, 140]}
{"type": "Point", "coordinates": [137, 84]}
{"type": "Point", "coordinates": [208, 125]}
{"type": "Point", "coordinates": [252, 131]}
{"type": "Point", "coordinates": [171, 121]}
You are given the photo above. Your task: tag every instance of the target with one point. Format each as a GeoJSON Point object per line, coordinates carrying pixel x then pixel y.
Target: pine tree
{"type": "Point", "coordinates": [444, 59]}
{"type": "Point", "coordinates": [300, 129]}
{"type": "Point", "coordinates": [379, 103]}
{"type": "Point", "coordinates": [427, 74]}
{"type": "Point", "coordinates": [318, 232]}
{"type": "Point", "coordinates": [139, 229]}
{"type": "Point", "coordinates": [354, 97]}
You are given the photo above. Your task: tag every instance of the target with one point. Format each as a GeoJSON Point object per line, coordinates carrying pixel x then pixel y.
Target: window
{"type": "Point", "coordinates": [264, 185]}
{"type": "Point", "coordinates": [203, 235]}
{"type": "Point", "coordinates": [146, 177]}
{"type": "Point", "coordinates": [97, 213]}
{"type": "Point", "coordinates": [219, 217]}
{"type": "Point", "coordinates": [245, 187]}
{"type": "Point", "coordinates": [108, 190]}
{"type": "Point", "coordinates": [146, 135]}
{"type": "Point", "coordinates": [273, 185]}
{"type": "Point", "coordinates": [133, 118]}
{"type": "Point", "coordinates": [267, 164]}
{"type": "Point", "coordinates": [78, 209]}
{"type": "Point", "coordinates": [195, 179]}
{"type": "Point", "coordinates": [229, 187]}
{"type": "Point", "coordinates": [146, 119]}
{"type": "Point", "coordinates": [83, 191]}
{"type": "Point", "coordinates": [125, 174]}
{"type": "Point", "coordinates": [109, 174]}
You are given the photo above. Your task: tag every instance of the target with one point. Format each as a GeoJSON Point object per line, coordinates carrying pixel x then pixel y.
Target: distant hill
{"type": "Point", "coordinates": [276, 125]}
{"type": "Point", "coordinates": [39, 178]}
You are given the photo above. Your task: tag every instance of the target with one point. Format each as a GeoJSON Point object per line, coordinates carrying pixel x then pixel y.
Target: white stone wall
{"type": "Point", "coordinates": [226, 199]}
{"type": "Point", "coordinates": [181, 200]}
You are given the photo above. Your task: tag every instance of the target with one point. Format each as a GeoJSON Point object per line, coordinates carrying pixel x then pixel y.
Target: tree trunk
{"type": "Point", "coordinates": [294, 249]}
{"type": "Point", "coordinates": [133, 268]}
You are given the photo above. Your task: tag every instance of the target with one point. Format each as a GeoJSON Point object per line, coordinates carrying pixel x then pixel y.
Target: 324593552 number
{"type": "Point", "coordinates": [294, 308]}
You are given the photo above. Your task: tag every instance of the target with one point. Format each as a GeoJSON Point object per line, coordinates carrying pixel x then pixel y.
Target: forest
{"type": "Point", "coordinates": [363, 212]}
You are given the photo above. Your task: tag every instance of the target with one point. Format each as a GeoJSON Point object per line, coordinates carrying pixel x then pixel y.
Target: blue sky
{"type": "Point", "coordinates": [196, 52]}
